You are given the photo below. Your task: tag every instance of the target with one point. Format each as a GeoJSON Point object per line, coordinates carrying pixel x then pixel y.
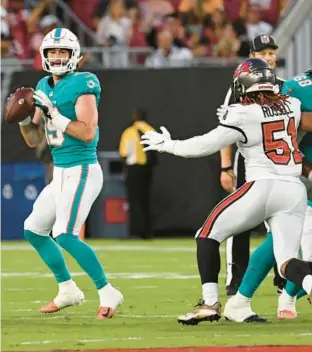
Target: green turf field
{"type": "Point", "coordinates": [159, 281]}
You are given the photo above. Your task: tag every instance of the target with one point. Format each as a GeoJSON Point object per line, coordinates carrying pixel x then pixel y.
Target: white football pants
{"type": "Point", "coordinates": [282, 204]}
{"type": "Point", "coordinates": [63, 205]}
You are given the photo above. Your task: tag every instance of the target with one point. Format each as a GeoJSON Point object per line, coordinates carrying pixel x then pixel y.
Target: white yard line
{"type": "Point", "coordinates": [45, 342]}
{"type": "Point", "coordinates": [124, 276]}
{"type": "Point", "coordinates": [112, 248]}
{"type": "Point", "coordinates": [132, 316]}
{"type": "Point", "coordinates": [23, 289]}
{"type": "Point", "coordinates": [131, 275]}
{"type": "Point", "coordinates": [118, 248]}
{"type": "Point", "coordinates": [113, 339]}
{"type": "Point", "coordinates": [39, 342]}
{"type": "Point", "coordinates": [41, 317]}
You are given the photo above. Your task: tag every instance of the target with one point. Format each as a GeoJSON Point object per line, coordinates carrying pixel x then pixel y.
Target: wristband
{"type": "Point", "coordinates": [225, 169]}
{"type": "Point", "coordinates": [25, 122]}
{"type": "Point", "coordinates": [61, 122]}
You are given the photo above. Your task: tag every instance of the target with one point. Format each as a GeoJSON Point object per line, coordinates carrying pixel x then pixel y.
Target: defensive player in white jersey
{"type": "Point", "coordinates": [67, 101]}
{"type": "Point", "coordinates": [264, 126]}
{"type": "Point", "coordinates": [238, 307]}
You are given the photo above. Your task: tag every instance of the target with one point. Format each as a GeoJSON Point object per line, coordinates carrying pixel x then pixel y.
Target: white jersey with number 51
{"type": "Point", "coordinates": [268, 139]}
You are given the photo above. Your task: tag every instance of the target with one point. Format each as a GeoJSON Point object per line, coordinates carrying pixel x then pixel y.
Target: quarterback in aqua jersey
{"type": "Point", "coordinates": [67, 102]}
{"type": "Point", "coordinates": [262, 260]}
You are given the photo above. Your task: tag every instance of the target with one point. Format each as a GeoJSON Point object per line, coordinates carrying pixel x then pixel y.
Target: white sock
{"type": "Point", "coordinates": [287, 296]}
{"type": "Point", "coordinates": [104, 295]}
{"type": "Point", "coordinates": [210, 293]}
{"type": "Point", "coordinates": [307, 284]}
{"type": "Point", "coordinates": [67, 285]}
{"type": "Point", "coordinates": [241, 297]}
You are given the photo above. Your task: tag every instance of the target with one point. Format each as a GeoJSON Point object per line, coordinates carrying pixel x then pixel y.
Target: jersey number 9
{"type": "Point", "coordinates": [277, 149]}
{"type": "Point", "coordinates": [55, 137]}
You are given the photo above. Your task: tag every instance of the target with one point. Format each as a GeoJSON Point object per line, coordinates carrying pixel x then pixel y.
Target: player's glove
{"type": "Point", "coordinates": [45, 104]}
{"type": "Point", "coordinates": [50, 111]}
{"type": "Point", "coordinates": [161, 142]}
{"type": "Point", "coordinates": [222, 112]}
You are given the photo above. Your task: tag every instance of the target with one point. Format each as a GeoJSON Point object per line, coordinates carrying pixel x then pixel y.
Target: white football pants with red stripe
{"type": "Point", "coordinates": [282, 204]}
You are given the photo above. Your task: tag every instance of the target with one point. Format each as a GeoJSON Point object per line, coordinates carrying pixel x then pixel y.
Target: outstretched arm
{"type": "Point", "coordinates": [195, 147]}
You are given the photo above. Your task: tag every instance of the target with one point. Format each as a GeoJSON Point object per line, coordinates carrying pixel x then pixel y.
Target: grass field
{"type": "Point", "coordinates": [159, 281]}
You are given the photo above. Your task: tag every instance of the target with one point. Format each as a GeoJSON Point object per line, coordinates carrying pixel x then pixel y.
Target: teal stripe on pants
{"type": "Point", "coordinates": [77, 199]}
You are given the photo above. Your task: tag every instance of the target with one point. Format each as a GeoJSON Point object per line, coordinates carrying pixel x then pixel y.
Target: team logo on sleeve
{"type": "Point", "coordinates": [91, 84]}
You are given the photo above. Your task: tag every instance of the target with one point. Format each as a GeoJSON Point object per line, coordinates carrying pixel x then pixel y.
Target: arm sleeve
{"type": "Point", "coordinates": [206, 144]}
{"type": "Point", "coordinates": [228, 132]}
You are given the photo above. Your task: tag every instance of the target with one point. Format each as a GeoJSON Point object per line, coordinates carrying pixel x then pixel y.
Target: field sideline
{"type": "Point", "coordinates": [159, 281]}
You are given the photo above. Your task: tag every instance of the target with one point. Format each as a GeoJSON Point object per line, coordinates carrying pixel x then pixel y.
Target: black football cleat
{"type": "Point", "coordinates": [252, 319]}
{"type": "Point", "coordinates": [255, 319]}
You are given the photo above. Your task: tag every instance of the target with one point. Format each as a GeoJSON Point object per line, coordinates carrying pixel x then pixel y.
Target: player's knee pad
{"type": "Point", "coordinates": [31, 224]}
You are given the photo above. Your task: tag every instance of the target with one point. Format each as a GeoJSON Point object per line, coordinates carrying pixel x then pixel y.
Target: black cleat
{"type": "Point", "coordinates": [253, 319]}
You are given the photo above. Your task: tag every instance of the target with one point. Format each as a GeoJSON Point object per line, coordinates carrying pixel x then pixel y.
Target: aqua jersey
{"type": "Point", "coordinates": [300, 87]}
{"type": "Point", "coordinates": [68, 151]}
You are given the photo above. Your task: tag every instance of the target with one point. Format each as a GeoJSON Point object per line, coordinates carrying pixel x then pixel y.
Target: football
{"type": "Point", "coordinates": [19, 105]}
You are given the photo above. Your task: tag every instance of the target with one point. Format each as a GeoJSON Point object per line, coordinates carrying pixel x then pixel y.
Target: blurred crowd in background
{"type": "Point", "coordinates": [183, 29]}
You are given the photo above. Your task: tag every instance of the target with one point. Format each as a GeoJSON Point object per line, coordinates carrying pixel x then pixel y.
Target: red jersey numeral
{"type": "Point", "coordinates": [277, 149]}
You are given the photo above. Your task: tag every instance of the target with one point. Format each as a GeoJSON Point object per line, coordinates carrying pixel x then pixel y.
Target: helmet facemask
{"type": "Point", "coordinates": [60, 38]}
{"type": "Point", "coordinates": [65, 64]}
